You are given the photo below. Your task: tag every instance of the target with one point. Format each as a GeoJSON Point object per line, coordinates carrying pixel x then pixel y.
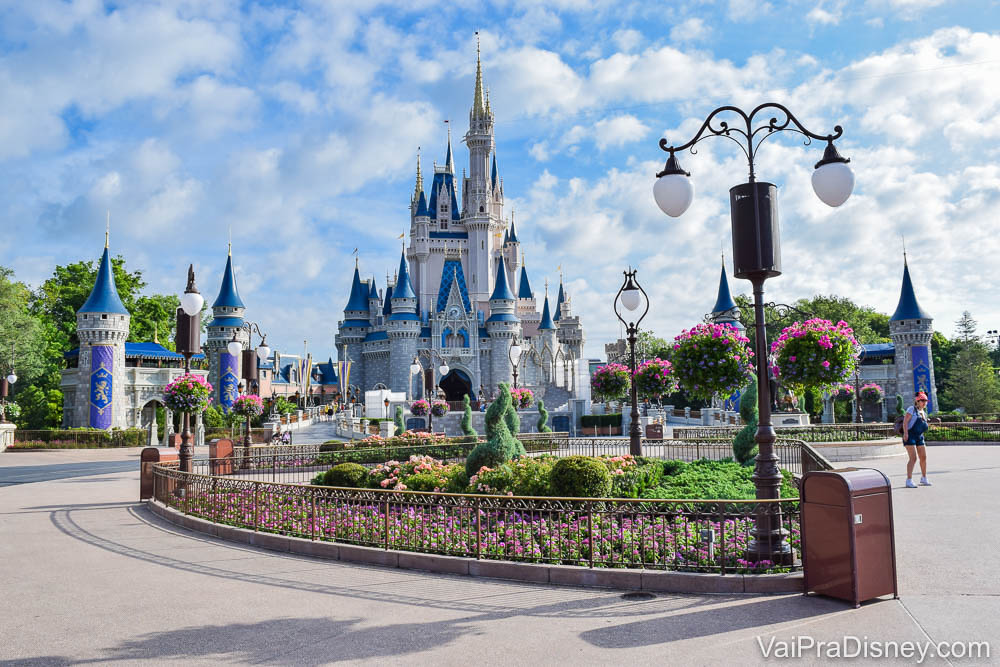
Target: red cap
{"type": "Point", "coordinates": [921, 396]}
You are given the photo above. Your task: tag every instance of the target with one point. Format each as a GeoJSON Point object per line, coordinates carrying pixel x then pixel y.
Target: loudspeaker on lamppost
{"type": "Point", "coordinates": [756, 240]}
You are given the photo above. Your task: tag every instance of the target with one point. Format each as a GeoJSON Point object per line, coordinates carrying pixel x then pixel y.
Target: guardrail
{"type": "Point", "coordinates": [815, 433]}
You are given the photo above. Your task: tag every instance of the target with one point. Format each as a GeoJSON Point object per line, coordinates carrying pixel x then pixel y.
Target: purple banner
{"type": "Point", "coordinates": [922, 373]}
{"type": "Point", "coordinates": [229, 380]}
{"type": "Point", "coordinates": [102, 367]}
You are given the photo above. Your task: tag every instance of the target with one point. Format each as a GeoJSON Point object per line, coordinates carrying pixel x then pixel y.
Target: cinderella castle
{"type": "Point", "coordinates": [461, 296]}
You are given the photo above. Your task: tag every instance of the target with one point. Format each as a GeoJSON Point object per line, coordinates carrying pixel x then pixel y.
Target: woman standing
{"type": "Point", "coordinates": [914, 426]}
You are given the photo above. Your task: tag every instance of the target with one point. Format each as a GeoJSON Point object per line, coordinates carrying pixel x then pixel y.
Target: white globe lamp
{"type": "Point", "coordinates": [673, 190]}
{"type": "Point", "coordinates": [833, 180]}
{"type": "Point", "coordinates": [191, 303]}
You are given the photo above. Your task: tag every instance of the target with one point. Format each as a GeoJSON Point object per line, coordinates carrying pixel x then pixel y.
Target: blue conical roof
{"type": "Point", "coordinates": [229, 296]}
{"type": "Point", "coordinates": [372, 292]}
{"type": "Point", "coordinates": [546, 318]}
{"type": "Point", "coordinates": [494, 176]}
{"type": "Point", "coordinates": [506, 237]}
{"type": "Point", "coordinates": [559, 301]}
{"type": "Point", "coordinates": [524, 289]}
{"type": "Point", "coordinates": [449, 161]}
{"type": "Point", "coordinates": [387, 304]}
{"type": "Point", "coordinates": [513, 232]}
{"type": "Point", "coordinates": [501, 290]}
{"type": "Point", "coordinates": [908, 308]}
{"type": "Point", "coordinates": [359, 295]}
{"type": "Point", "coordinates": [404, 289]}
{"type": "Point", "coordinates": [422, 205]}
{"type": "Point", "coordinates": [724, 302]}
{"type": "Point", "coordinates": [104, 297]}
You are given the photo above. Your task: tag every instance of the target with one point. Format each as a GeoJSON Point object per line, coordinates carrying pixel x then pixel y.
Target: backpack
{"type": "Point", "coordinates": [897, 427]}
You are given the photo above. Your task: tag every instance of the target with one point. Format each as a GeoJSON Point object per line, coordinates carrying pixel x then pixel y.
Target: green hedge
{"type": "Point", "coordinates": [589, 421]}
{"type": "Point", "coordinates": [90, 438]}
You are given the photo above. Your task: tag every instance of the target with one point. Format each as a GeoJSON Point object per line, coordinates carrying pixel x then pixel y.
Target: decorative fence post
{"type": "Point", "coordinates": [385, 524]}
{"type": "Point", "coordinates": [479, 529]}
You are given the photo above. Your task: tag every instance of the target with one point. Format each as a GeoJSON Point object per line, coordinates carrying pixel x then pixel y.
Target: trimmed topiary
{"type": "Point", "coordinates": [580, 477]}
{"type": "Point", "coordinates": [744, 445]}
{"type": "Point", "coordinates": [351, 475]}
{"type": "Point", "coordinates": [513, 421]}
{"type": "Point", "coordinates": [748, 402]}
{"type": "Point", "coordinates": [467, 418]}
{"type": "Point", "coordinates": [543, 418]}
{"type": "Point", "coordinates": [398, 419]}
{"type": "Point", "coordinates": [500, 445]}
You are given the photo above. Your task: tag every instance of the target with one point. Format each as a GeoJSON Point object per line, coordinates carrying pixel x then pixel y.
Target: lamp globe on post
{"type": "Point", "coordinates": [673, 190]}
{"type": "Point", "coordinates": [263, 350]}
{"type": "Point", "coordinates": [12, 378]}
{"type": "Point", "coordinates": [630, 296]}
{"type": "Point", "coordinates": [414, 369]}
{"type": "Point", "coordinates": [514, 354]}
{"type": "Point", "coordinates": [234, 347]}
{"type": "Point", "coordinates": [833, 180]}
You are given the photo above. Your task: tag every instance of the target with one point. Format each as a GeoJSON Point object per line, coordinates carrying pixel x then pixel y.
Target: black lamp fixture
{"type": "Point", "coordinates": [187, 341]}
{"type": "Point", "coordinates": [630, 297]}
{"type": "Point", "coordinates": [757, 257]}
{"type": "Point", "coordinates": [5, 384]}
{"type": "Point", "coordinates": [514, 356]}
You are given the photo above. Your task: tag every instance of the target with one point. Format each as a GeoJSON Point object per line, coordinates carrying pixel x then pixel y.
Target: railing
{"type": "Point", "coordinates": [689, 535]}
{"type": "Point", "coordinates": [963, 432]}
{"type": "Point", "coordinates": [817, 433]}
{"type": "Point", "coordinates": [71, 438]}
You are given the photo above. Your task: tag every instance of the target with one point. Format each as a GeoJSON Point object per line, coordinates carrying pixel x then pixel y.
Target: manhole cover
{"type": "Point", "coordinates": [638, 595]}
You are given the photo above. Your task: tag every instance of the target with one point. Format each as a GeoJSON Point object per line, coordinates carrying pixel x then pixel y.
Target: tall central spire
{"type": "Point", "coordinates": [478, 100]}
{"type": "Point", "coordinates": [449, 161]}
{"type": "Point", "coordinates": [420, 178]}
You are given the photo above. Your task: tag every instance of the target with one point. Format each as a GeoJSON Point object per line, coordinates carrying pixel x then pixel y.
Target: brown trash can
{"type": "Point", "coordinates": [147, 458]}
{"type": "Point", "coordinates": [848, 541]}
{"type": "Point", "coordinates": [654, 431]}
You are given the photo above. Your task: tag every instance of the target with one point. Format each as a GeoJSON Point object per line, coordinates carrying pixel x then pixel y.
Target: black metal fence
{"type": "Point", "coordinates": [690, 535]}
{"type": "Point", "coordinates": [815, 433]}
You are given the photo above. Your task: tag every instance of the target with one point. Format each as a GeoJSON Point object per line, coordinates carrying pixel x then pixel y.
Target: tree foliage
{"type": "Point", "coordinates": [972, 384]}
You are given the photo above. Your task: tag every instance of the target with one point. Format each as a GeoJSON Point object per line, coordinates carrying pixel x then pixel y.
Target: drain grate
{"type": "Point", "coordinates": [637, 595]}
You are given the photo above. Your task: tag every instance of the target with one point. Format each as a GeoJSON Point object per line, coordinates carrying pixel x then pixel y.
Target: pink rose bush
{"type": "Point", "coordinates": [189, 393]}
{"type": "Point", "coordinates": [710, 359]}
{"type": "Point", "coordinates": [610, 382]}
{"type": "Point", "coordinates": [655, 378]}
{"type": "Point", "coordinates": [815, 353]}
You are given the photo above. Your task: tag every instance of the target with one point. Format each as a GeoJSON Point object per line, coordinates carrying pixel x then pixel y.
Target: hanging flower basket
{"type": "Point", "coordinates": [610, 382]}
{"type": "Point", "coordinates": [655, 378]}
{"type": "Point", "coordinates": [10, 411]}
{"type": "Point", "coordinates": [844, 392]}
{"type": "Point", "coordinates": [439, 408]}
{"type": "Point", "coordinates": [420, 408]}
{"type": "Point", "coordinates": [248, 405]}
{"type": "Point", "coordinates": [815, 353]}
{"type": "Point", "coordinates": [189, 393]}
{"type": "Point", "coordinates": [711, 359]}
{"type": "Point", "coordinates": [522, 397]}
{"type": "Point", "coordinates": [872, 393]}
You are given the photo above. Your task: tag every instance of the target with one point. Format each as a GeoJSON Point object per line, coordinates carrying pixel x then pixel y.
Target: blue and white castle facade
{"type": "Point", "coordinates": [461, 294]}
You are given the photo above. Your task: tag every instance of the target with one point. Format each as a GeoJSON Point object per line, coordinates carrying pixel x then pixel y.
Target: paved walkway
{"type": "Point", "coordinates": [89, 575]}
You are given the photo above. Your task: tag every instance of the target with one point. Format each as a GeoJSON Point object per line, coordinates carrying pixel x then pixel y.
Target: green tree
{"type": "Point", "coordinates": [965, 328]}
{"type": "Point", "coordinates": [21, 333]}
{"type": "Point", "coordinates": [154, 317]}
{"type": "Point", "coordinates": [943, 353]}
{"type": "Point", "coordinates": [972, 384]}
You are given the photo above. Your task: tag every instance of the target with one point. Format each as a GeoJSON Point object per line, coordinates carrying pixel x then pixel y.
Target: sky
{"type": "Point", "coordinates": [295, 127]}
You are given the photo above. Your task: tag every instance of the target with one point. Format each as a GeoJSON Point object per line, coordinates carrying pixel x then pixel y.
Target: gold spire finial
{"type": "Point", "coordinates": [230, 240]}
{"type": "Point", "coordinates": [107, 230]}
{"type": "Point", "coordinates": [478, 105]}
{"type": "Point", "coordinates": [420, 176]}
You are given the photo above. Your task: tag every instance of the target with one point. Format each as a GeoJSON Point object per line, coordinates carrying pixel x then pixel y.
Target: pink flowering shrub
{"type": "Point", "coordinates": [522, 398]}
{"type": "Point", "coordinates": [710, 359]}
{"type": "Point", "coordinates": [872, 392]}
{"type": "Point", "coordinates": [189, 393]}
{"type": "Point", "coordinates": [815, 353]}
{"type": "Point", "coordinates": [610, 382]}
{"type": "Point", "coordinates": [655, 378]}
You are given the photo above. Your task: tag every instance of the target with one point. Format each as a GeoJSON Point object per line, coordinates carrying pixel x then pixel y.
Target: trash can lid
{"type": "Point", "coordinates": [859, 481]}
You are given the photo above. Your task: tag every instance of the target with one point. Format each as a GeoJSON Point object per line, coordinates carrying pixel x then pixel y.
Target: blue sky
{"type": "Point", "coordinates": [298, 126]}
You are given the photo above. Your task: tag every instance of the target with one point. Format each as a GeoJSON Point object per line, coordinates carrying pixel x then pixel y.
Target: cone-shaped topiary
{"type": "Point", "coordinates": [543, 418]}
{"type": "Point", "coordinates": [500, 445]}
{"type": "Point", "coordinates": [467, 418]}
{"type": "Point", "coordinates": [748, 402]}
{"type": "Point", "coordinates": [744, 445]}
{"type": "Point", "coordinates": [398, 420]}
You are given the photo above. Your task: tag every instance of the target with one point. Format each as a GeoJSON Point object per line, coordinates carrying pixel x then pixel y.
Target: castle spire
{"type": "Point", "coordinates": [104, 296]}
{"type": "Point", "coordinates": [546, 323]}
{"type": "Point", "coordinates": [359, 295]}
{"type": "Point", "coordinates": [724, 302]}
{"type": "Point", "coordinates": [419, 188]}
{"type": "Point", "coordinates": [229, 296]}
{"type": "Point", "coordinates": [560, 299]}
{"type": "Point", "coordinates": [908, 308]}
{"type": "Point", "coordinates": [449, 162]}
{"type": "Point", "coordinates": [478, 101]}
{"type": "Point", "coordinates": [404, 288]}
{"type": "Point", "coordinates": [501, 291]}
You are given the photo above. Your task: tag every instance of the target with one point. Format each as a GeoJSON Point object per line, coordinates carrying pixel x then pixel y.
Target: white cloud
{"type": "Point", "coordinates": [690, 30]}
{"type": "Point", "coordinates": [618, 131]}
{"type": "Point", "coordinates": [627, 40]}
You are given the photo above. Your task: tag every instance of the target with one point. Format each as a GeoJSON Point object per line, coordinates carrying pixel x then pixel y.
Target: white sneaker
{"type": "Point", "coordinates": [910, 484]}
{"type": "Point", "coordinates": [925, 482]}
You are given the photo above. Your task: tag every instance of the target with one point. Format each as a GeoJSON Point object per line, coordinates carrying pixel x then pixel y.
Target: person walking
{"type": "Point", "coordinates": [914, 426]}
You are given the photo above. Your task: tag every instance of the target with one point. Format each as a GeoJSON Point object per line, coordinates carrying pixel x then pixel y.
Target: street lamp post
{"type": "Point", "coordinates": [631, 296]}
{"type": "Point", "coordinates": [514, 355]}
{"type": "Point", "coordinates": [858, 418]}
{"type": "Point", "coordinates": [249, 362]}
{"type": "Point", "coordinates": [442, 370]}
{"type": "Point", "coordinates": [187, 340]}
{"type": "Point", "coordinates": [757, 257]}
{"type": "Point", "coordinates": [5, 384]}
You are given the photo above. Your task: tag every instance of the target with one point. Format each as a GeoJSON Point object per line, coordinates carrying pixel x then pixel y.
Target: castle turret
{"type": "Point", "coordinates": [725, 311]}
{"type": "Point", "coordinates": [102, 325]}
{"type": "Point", "coordinates": [503, 326]}
{"type": "Point", "coordinates": [374, 305]}
{"type": "Point", "coordinates": [227, 321]}
{"type": "Point", "coordinates": [403, 329]}
{"type": "Point", "coordinates": [354, 327]}
{"type": "Point", "coordinates": [911, 329]}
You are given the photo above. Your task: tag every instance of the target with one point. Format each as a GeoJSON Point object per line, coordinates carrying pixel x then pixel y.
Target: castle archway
{"type": "Point", "coordinates": [455, 385]}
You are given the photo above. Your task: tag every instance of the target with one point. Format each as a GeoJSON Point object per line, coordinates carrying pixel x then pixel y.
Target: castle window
{"type": "Point", "coordinates": [480, 209]}
{"type": "Point", "coordinates": [104, 317]}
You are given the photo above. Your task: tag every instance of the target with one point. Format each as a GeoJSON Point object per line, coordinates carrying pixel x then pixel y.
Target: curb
{"type": "Point", "coordinates": [660, 581]}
